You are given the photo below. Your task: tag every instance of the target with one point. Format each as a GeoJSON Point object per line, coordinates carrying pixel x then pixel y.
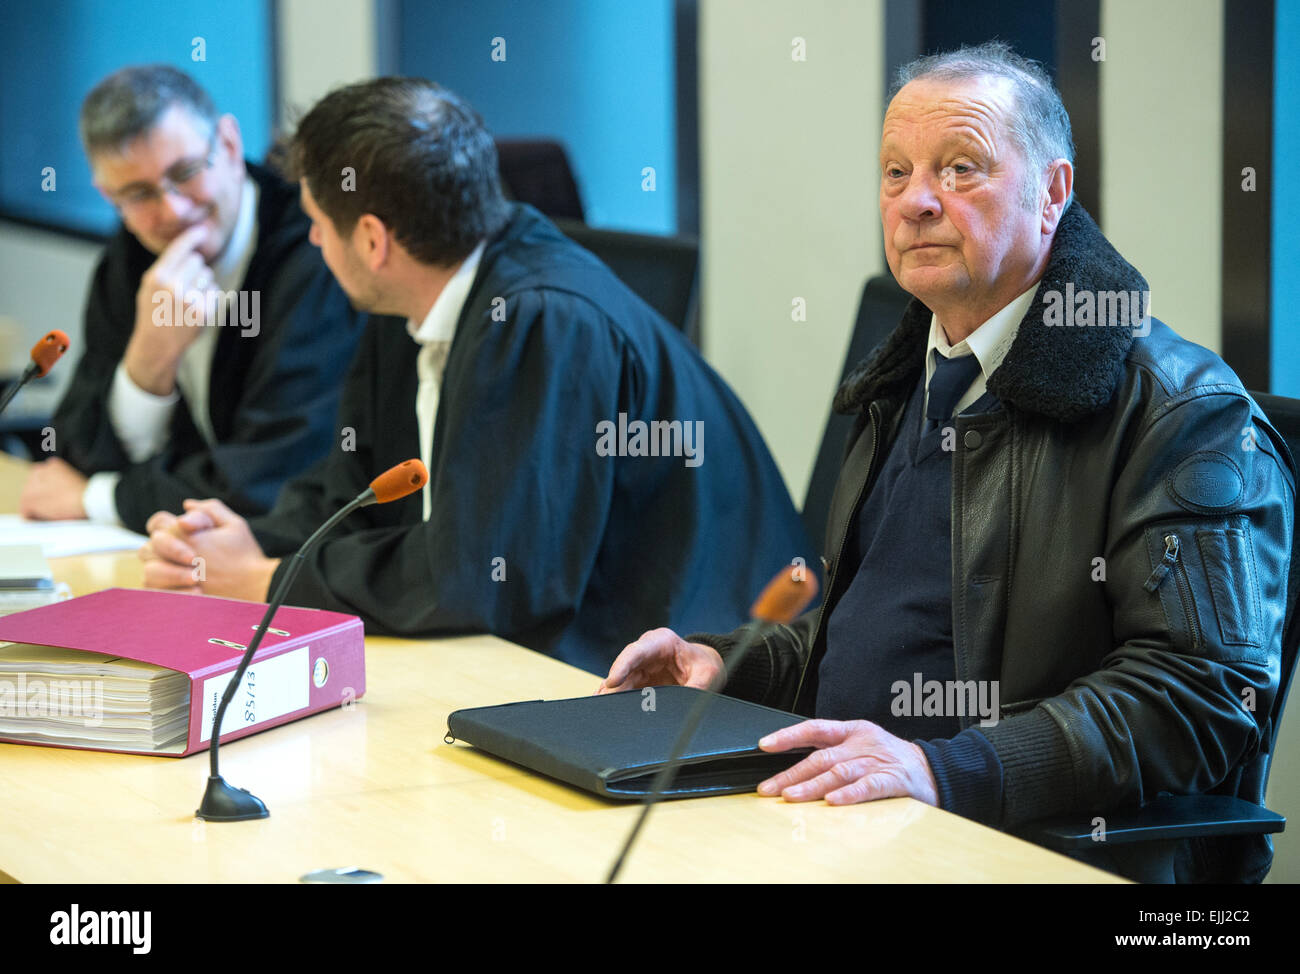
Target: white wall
{"type": "Point", "coordinates": [44, 278]}
{"type": "Point", "coordinates": [1161, 171]}
{"type": "Point", "coordinates": [788, 190]}
{"type": "Point", "coordinates": [323, 44]}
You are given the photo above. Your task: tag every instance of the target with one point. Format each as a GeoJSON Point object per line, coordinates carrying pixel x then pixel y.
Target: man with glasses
{"type": "Point", "coordinates": [215, 339]}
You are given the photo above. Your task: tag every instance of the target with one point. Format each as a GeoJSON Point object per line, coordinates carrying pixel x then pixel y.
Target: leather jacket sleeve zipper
{"type": "Point", "coordinates": [1171, 561]}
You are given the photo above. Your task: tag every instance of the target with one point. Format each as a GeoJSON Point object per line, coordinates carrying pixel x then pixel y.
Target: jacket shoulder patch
{"type": "Point", "coordinates": [1207, 482]}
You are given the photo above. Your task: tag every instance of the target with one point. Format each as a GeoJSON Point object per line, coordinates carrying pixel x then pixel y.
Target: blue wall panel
{"type": "Point", "coordinates": [53, 53]}
{"type": "Point", "coordinates": [595, 74]}
{"type": "Point", "coordinates": [1285, 271]}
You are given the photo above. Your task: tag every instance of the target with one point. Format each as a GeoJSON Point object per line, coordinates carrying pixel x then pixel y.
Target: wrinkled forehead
{"type": "Point", "coordinates": [973, 108]}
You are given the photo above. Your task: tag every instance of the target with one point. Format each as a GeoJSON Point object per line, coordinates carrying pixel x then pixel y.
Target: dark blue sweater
{"type": "Point", "coordinates": [895, 619]}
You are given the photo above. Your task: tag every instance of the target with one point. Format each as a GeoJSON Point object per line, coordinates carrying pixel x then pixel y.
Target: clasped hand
{"type": "Point", "coordinates": [208, 550]}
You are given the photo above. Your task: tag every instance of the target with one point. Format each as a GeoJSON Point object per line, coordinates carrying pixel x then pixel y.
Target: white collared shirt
{"type": "Point", "coordinates": [435, 335]}
{"type": "Point", "coordinates": [141, 419]}
{"type": "Point", "coordinates": [989, 343]}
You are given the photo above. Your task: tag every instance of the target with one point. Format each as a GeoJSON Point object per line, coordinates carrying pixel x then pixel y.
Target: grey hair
{"type": "Point", "coordinates": [1039, 125]}
{"type": "Point", "coordinates": [130, 101]}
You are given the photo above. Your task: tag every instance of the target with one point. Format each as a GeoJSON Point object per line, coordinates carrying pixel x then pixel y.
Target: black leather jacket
{"type": "Point", "coordinates": [1121, 537]}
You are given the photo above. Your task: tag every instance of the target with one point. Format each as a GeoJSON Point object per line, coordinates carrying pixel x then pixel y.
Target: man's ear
{"type": "Point", "coordinates": [1060, 182]}
{"type": "Point", "coordinates": [372, 240]}
{"type": "Point", "coordinates": [230, 141]}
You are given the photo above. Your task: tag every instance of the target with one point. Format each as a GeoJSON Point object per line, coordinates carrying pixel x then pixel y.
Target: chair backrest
{"type": "Point", "coordinates": [879, 312]}
{"type": "Point", "coordinates": [537, 172]}
{"type": "Point", "coordinates": [663, 271]}
{"type": "Point", "coordinates": [1284, 414]}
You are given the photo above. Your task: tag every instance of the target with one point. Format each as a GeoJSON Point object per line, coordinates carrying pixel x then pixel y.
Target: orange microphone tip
{"type": "Point", "coordinates": [396, 482]}
{"type": "Point", "coordinates": [786, 595]}
{"type": "Point", "coordinates": [49, 350]}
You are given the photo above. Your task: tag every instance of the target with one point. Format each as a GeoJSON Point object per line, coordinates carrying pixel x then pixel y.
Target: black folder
{"type": "Point", "coordinates": [614, 743]}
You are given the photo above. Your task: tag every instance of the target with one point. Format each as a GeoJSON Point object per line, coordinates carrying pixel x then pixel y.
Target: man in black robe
{"type": "Point", "coordinates": [589, 473]}
{"type": "Point", "coordinates": [215, 340]}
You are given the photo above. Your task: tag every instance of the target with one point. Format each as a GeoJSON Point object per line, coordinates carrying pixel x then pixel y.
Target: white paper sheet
{"type": "Point", "coordinates": [59, 539]}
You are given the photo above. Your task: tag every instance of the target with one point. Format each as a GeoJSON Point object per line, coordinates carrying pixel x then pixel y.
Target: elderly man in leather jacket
{"type": "Point", "coordinates": [1052, 504]}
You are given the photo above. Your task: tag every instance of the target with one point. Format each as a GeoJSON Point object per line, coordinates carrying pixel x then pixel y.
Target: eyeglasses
{"type": "Point", "coordinates": [177, 179]}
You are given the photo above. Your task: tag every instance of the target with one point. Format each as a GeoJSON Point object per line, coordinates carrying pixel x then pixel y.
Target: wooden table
{"type": "Point", "coordinates": [375, 786]}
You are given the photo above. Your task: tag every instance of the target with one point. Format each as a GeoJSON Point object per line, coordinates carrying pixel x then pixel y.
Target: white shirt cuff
{"type": "Point", "coordinates": [99, 498]}
{"type": "Point", "coordinates": [139, 418]}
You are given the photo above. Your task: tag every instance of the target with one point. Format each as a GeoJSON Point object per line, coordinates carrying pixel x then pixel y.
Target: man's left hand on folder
{"type": "Point", "coordinates": [856, 761]}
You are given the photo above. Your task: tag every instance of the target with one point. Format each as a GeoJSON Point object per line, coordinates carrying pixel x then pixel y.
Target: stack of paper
{"type": "Point", "coordinates": [25, 579]}
{"type": "Point", "coordinates": [78, 699]}
{"type": "Point", "coordinates": [59, 539]}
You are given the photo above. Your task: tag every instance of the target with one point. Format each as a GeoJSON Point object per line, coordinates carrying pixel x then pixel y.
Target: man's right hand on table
{"type": "Point", "coordinates": [662, 658]}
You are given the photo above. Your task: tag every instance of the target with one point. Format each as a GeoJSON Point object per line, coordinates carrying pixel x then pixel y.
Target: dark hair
{"type": "Point", "coordinates": [129, 102]}
{"type": "Point", "coordinates": [1040, 125]}
{"type": "Point", "coordinates": [421, 161]}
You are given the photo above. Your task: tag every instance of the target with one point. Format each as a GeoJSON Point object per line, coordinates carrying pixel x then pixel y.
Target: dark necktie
{"type": "Point", "coordinates": [951, 378]}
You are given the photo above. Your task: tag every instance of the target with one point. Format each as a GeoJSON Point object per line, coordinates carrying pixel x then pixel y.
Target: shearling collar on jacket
{"type": "Point", "coordinates": [1062, 372]}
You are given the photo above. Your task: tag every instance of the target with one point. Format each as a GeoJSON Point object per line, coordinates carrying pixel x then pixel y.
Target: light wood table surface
{"type": "Point", "coordinates": [375, 786]}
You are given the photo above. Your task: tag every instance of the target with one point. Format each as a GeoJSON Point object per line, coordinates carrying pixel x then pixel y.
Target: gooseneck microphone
{"type": "Point", "coordinates": [222, 802]}
{"type": "Point", "coordinates": [784, 597]}
{"type": "Point", "coordinates": [44, 354]}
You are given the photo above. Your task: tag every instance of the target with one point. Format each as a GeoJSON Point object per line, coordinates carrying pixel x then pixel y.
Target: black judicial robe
{"type": "Point", "coordinates": [273, 390]}
{"type": "Point", "coordinates": [534, 534]}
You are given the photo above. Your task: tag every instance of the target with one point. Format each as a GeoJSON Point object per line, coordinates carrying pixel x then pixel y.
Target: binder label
{"type": "Point", "coordinates": [270, 689]}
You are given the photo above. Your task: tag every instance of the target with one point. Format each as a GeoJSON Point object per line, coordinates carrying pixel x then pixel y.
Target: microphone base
{"type": "Point", "coordinates": [222, 803]}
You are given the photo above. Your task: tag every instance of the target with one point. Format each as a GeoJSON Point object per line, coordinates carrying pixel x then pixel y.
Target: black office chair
{"type": "Point", "coordinates": [537, 172]}
{"type": "Point", "coordinates": [663, 271]}
{"type": "Point", "coordinates": [879, 312]}
{"type": "Point", "coordinates": [1236, 806]}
